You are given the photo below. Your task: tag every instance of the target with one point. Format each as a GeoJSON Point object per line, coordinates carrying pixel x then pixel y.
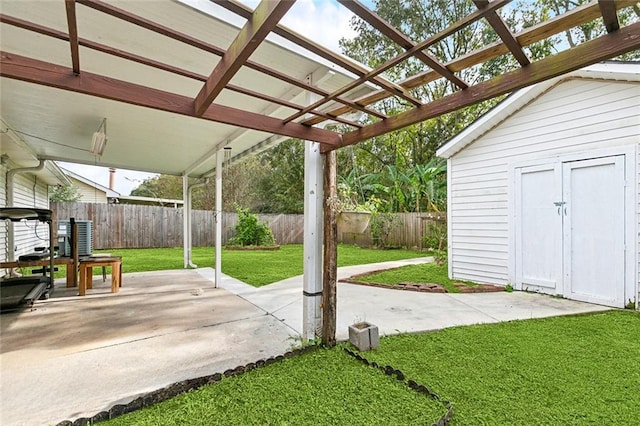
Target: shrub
{"type": "Point", "coordinates": [250, 231]}
{"type": "Point", "coordinates": [436, 239]}
{"type": "Point", "coordinates": [381, 226]}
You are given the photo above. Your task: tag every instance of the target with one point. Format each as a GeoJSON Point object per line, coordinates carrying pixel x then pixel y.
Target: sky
{"type": "Point", "coordinates": [323, 21]}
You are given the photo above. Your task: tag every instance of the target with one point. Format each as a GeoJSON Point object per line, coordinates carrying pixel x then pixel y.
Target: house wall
{"type": "Point", "coordinates": [575, 116]}
{"type": "Point", "coordinates": [88, 193]}
{"type": "Point", "coordinates": [29, 191]}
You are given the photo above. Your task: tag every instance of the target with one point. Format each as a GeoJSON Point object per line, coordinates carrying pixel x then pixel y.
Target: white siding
{"type": "Point", "coordinates": [29, 191]}
{"type": "Point", "coordinates": [88, 193]}
{"type": "Point", "coordinates": [575, 116]}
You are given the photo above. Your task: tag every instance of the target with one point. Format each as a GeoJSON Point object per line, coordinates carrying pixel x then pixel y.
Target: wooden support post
{"type": "Point", "coordinates": [330, 273]}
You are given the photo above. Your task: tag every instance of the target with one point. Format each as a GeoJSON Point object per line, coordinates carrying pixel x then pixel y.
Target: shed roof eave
{"type": "Point", "coordinates": [610, 70]}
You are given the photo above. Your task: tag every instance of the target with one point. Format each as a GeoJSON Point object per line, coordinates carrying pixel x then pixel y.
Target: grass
{"type": "Point", "coordinates": [576, 370]}
{"type": "Point", "coordinates": [257, 267]}
{"type": "Point", "coordinates": [323, 387]}
{"type": "Point", "coordinates": [423, 273]}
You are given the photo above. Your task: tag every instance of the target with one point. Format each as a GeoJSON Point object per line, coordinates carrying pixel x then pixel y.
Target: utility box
{"type": "Point", "coordinates": [85, 237]}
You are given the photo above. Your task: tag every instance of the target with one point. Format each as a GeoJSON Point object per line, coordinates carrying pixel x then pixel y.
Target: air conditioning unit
{"type": "Point", "coordinates": [85, 237]}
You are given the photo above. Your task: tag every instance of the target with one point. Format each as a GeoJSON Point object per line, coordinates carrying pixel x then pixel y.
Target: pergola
{"type": "Point", "coordinates": [179, 84]}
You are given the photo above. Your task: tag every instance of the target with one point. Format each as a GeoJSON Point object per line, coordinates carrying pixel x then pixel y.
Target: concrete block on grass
{"type": "Point", "coordinates": [364, 336]}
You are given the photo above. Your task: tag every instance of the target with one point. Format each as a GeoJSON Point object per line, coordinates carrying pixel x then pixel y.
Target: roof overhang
{"type": "Point", "coordinates": [177, 84]}
{"type": "Point", "coordinates": [18, 154]}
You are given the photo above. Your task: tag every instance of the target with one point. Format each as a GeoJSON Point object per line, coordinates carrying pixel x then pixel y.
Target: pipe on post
{"type": "Point", "coordinates": [189, 236]}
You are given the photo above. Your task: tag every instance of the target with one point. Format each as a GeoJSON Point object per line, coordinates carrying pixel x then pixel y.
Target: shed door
{"type": "Point", "coordinates": [538, 228]}
{"type": "Point", "coordinates": [594, 230]}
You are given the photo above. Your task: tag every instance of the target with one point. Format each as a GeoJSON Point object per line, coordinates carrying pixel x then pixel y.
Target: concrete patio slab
{"type": "Point", "coordinates": [75, 356]}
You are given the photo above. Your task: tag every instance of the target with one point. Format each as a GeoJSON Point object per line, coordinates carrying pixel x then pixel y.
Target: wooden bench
{"type": "Point", "coordinates": [86, 272]}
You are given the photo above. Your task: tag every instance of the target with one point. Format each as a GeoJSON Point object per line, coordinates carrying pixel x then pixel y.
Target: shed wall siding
{"type": "Point", "coordinates": [576, 116]}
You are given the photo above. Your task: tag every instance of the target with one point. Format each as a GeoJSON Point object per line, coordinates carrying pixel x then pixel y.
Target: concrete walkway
{"type": "Point", "coordinates": [73, 357]}
{"type": "Point", "coordinates": [397, 311]}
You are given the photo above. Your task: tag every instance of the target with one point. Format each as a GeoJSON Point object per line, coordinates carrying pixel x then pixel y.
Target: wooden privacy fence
{"type": "Point", "coordinates": [138, 226]}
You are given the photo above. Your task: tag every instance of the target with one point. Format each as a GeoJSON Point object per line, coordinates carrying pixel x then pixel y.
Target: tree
{"type": "Point", "coordinates": [239, 187]}
{"type": "Point", "coordinates": [65, 193]}
{"type": "Point", "coordinates": [282, 188]}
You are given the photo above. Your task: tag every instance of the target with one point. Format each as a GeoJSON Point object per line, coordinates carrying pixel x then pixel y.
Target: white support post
{"type": "Point", "coordinates": [186, 221]}
{"type": "Point", "coordinates": [313, 234]}
{"type": "Point", "coordinates": [219, 160]}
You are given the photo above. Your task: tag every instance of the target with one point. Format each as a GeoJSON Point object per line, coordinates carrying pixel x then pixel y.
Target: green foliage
{"type": "Point", "coordinates": [572, 370]}
{"type": "Point", "coordinates": [509, 288]}
{"type": "Point", "coordinates": [282, 188]}
{"type": "Point", "coordinates": [381, 226]}
{"type": "Point", "coordinates": [67, 193]}
{"type": "Point", "coordinates": [435, 239]}
{"type": "Point", "coordinates": [250, 231]}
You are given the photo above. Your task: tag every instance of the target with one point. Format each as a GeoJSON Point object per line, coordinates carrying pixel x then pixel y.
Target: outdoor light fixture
{"type": "Point", "coordinates": [99, 139]}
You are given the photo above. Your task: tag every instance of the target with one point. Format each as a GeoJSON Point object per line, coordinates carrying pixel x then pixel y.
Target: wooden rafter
{"type": "Point", "coordinates": [541, 31]}
{"type": "Point", "coordinates": [469, 19]}
{"type": "Point", "coordinates": [264, 19]}
{"type": "Point", "coordinates": [39, 72]}
{"type": "Point", "coordinates": [609, 15]}
{"type": "Point", "coordinates": [393, 89]}
{"type": "Point", "coordinates": [50, 32]}
{"type": "Point", "coordinates": [207, 47]}
{"type": "Point", "coordinates": [504, 33]}
{"type": "Point", "coordinates": [590, 52]}
{"type": "Point", "coordinates": [401, 39]}
{"type": "Point", "coordinates": [72, 24]}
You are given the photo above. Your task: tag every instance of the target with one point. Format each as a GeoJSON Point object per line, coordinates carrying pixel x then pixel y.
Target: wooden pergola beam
{"type": "Point", "coordinates": [401, 39]}
{"type": "Point", "coordinates": [607, 46]}
{"type": "Point", "coordinates": [50, 32]}
{"type": "Point", "coordinates": [262, 21]}
{"type": "Point", "coordinates": [504, 33]}
{"type": "Point", "coordinates": [72, 24]}
{"type": "Point", "coordinates": [393, 88]}
{"type": "Point", "coordinates": [207, 47]}
{"type": "Point", "coordinates": [457, 26]}
{"type": "Point", "coordinates": [541, 31]}
{"type": "Point", "coordinates": [609, 15]}
{"type": "Point", "coordinates": [43, 73]}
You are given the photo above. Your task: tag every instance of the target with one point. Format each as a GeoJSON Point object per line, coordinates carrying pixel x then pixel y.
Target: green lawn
{"type": "Point", "coordinates": [257, 268]}
{"type": "Point", "coordinates": [424, 273]}
{"type": "Point", "coordinates": [576, 370]}
{"type": "Point", "coordinates": [324, 387]}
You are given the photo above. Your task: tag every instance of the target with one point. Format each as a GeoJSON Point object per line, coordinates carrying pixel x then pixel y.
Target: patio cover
{"type": "Point", "coordinates": [142, 66]}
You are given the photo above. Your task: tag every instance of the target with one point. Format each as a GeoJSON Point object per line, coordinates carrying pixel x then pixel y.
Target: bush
{"type": "Point", "coordinates": [251, 232]}
{"type": "Point", "coordinates": [381, 226]}
{"type": "Point", "coordinates": [436, 239]}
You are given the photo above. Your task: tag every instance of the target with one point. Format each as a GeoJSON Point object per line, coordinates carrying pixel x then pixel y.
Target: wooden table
{"type": "Point", "coordinates": [86, 272]}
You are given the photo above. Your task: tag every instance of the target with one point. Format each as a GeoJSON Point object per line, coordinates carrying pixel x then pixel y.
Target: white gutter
{"type": "Point", "coordinates": [11, 255]}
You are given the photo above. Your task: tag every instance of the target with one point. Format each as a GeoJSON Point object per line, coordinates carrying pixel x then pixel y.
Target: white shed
{"type": "Point", "coordinates": [543, 189]}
